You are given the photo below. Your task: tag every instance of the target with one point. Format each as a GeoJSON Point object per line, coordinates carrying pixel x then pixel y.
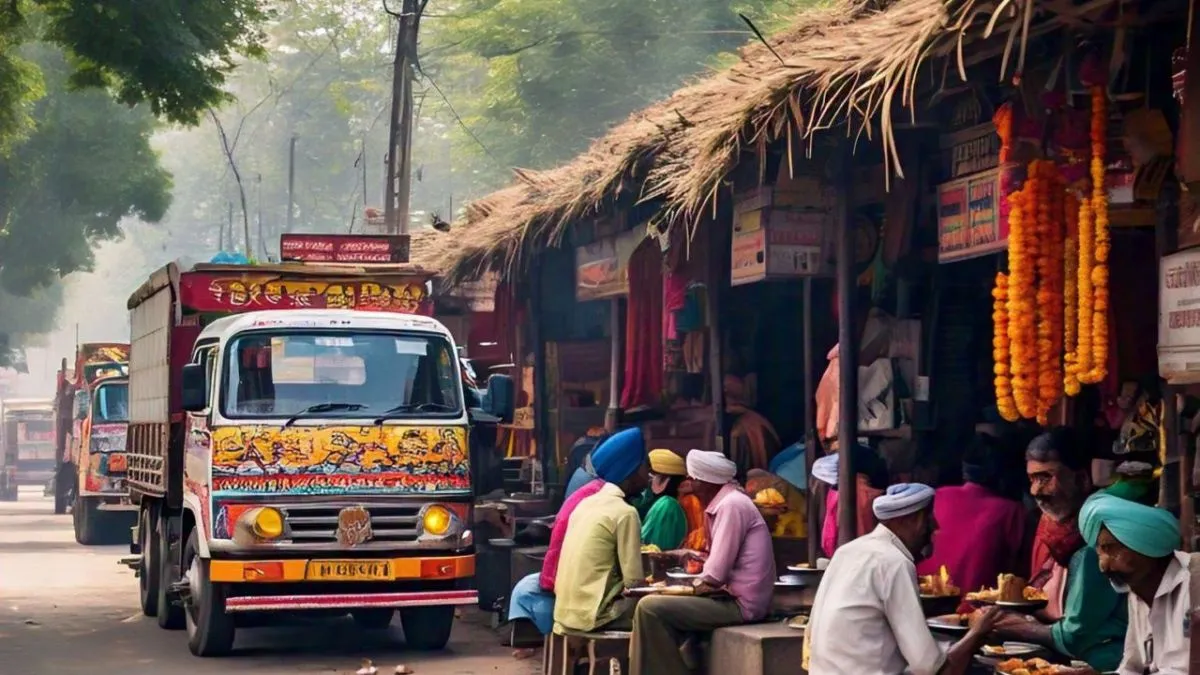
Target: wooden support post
{"type": "Point", "coordinates": [815, 510]}
{"type": "Point", "coordinates": [847, 356]}
{"type": "Point", "coordinates": [617, 328]}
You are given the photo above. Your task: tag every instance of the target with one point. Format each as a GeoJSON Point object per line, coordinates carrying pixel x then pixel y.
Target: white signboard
{"type": "Point", "coordinates": [1179, 317]}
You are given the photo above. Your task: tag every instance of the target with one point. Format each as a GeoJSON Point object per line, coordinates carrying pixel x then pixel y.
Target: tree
{"type": "Point", "coordinates": [559, 72]}
{"type": "Point", "coordinates": [85, 166]}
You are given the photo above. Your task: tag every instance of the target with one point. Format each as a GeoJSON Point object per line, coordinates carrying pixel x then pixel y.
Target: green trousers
{"type": "Point", "coordinates": [662, 623]}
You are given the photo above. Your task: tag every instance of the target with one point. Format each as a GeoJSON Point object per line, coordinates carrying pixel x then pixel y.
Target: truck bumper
{"type": "Point", "coordinates": [281, 603]}
{"type": "Point", "coordinates": [333, 571]}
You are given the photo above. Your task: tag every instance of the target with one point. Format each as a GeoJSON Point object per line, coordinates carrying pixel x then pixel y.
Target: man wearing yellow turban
{"type": "Point", "coordinates": [664, 524]}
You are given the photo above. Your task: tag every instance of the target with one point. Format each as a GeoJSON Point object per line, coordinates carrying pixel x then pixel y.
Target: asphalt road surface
{"type": "Point", "coordinates": [67, 609]}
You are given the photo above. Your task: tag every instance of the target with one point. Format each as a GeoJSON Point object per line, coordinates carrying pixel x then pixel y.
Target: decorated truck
{"type": "Point", "coordinates": [91, 410]}
{"type": "Point", "coordinates": [26, 445]}
{"type": "Point", "coordinates": [298, 440]}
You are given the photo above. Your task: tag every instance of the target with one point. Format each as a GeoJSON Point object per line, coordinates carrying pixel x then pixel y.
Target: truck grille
{"type": "Point", "coordinates": [317, 523]}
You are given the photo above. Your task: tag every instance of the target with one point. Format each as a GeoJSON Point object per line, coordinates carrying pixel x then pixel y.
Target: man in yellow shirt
{"type": "Point", "coordinates": [602, 550]}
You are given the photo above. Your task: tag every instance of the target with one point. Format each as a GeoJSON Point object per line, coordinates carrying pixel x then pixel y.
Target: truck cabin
{"type": "Point", "coordinates": [370, 370]}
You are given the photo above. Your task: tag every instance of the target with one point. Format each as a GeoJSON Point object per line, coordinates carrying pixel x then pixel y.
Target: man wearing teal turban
{"type": "Point", "coordinates": [1137, 547]}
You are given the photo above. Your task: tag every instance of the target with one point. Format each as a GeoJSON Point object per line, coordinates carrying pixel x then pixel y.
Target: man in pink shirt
{"type": "Point", "coordinates": [980, 532]}
{"type": "Point", "coordinates": [734, 587]}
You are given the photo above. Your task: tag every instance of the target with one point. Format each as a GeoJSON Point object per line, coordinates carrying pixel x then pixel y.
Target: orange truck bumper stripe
{"type": "Point", "coordinates": [341, 569]}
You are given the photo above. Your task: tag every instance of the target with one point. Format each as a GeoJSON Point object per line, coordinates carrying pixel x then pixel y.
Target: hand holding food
{"type": "Point", "coordinates": [1009, 588]}
{"type": "Point", "coordinates": [770, 498]}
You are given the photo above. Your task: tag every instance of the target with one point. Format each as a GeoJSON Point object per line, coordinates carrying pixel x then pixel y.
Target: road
{"type": "Point", "coordinates": [67, 609]}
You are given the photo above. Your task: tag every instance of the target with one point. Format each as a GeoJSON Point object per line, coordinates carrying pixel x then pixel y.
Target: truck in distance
{"type": "Point", "coordinates": [26, 445]}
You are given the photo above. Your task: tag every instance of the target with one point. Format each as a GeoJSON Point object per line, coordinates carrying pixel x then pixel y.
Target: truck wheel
{"type": "Point", "coordinates": [427, 628]}
{"type": "Point", "coordinates": [150, 567]}
{"type": "Point", "coordinates": [86, 520]}
{"type": "Point", "coordinates": [210, 630]}
{"type": "Point", "coordinates": [373, 619]}
{"type": "Point", "coordinates": [170, 615]}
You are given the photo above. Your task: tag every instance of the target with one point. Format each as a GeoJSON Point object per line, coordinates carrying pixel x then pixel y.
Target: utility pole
{"type": "Point", "coordinates": [230, 240]}
{"type": "Point", "coordinates": [399, 164]}
{"type": "Point", "coordinates": [291, 183]}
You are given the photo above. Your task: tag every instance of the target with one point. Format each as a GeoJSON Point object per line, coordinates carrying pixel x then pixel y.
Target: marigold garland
{"type": "Point", "coordinates": [1022, 331]}
{"type": "Point", "coordinates": [1000, 350]}
{"type": "Point", "coordinates": [1049, 293]}
{"type": "Point", "coordinates": [1071, 295]}
{"type": "Point", "coordinates": [1098, 363]}
{"type": "Point", "coordinates": [1087, 244]}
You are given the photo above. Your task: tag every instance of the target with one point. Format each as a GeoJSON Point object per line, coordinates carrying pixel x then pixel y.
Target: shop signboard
{"type": "Point", "coordinates": [772, 241]}
{"type": "Point", "coordinates": [328, 248]}
{"type": "Point", "coordinates": [602, 267]}
{"type": "Point", "coordinates": [969, 222]}
{"type": "Point", "coordinates": [1179, 317]}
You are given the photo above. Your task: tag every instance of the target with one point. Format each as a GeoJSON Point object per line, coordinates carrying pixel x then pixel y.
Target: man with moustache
{"type": "Point", "coordinates": [1138, 550]}
{"type": "Point", "coordinates": [867, 617]}
{"type": "Point", "coordinates": [1085, 617]}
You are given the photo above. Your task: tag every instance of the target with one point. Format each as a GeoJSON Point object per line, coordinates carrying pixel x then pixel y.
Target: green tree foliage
{"type": "Point", "coordinates": [559, 72]}
{"type": "Point", "coordinates": [86, 165]}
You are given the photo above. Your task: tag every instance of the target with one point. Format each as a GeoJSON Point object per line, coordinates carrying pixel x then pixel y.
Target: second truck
{"type": "Point", "coordinates": [298, 441]}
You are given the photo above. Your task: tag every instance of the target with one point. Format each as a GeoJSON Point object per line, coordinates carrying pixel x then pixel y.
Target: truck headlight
{"type": "Point", "coordinates": [436, 520]}
{"type": "Point", "coordinates": [264, 522]}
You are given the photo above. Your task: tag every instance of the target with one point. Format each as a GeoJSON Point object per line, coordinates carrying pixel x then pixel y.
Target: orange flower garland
{"type": "Point", "coordinates": [1049, 290]}
{"type": "Point", "coordinates": [1087, 244]}
{"type": "Point", "coordinates": [1022, 332]}
{"type": "Point", "coordinates": [1002, 119]}
{"type": "Point", "coordinates": [1098, 358]}
{"type": "Point", "coordinates": [1000, 352]}
{"type": "Point", "coordinates": [1071, 295]}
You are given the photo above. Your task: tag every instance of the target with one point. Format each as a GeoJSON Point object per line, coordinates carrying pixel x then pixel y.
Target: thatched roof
{"type": "Point", "coordinates": [850, 64]}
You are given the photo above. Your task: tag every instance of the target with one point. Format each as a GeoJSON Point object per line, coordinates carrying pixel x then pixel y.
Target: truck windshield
{"type": "Point", "coordinates": [332, 374]}
{"type": "Point", "coordinates": [111, 403]}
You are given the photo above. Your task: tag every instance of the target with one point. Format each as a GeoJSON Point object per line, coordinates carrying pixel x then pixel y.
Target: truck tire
{"type": "Point", "coordinates": [170, 615]}
{"type": "Point", "coordinates": [210, 630]}
{"type": "Point", "coordinates": [373, 618]}
{"type": "Point", "coordinates": [427, 629]}
{"type": "Point", "coordinates": [86, 521]}
{"type": "Point", "coordinates": [151, 566]}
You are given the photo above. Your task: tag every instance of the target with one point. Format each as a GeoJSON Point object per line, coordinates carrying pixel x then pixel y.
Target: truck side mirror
{"type": "Point", "coordinates": [194, 383]}
{"type": "Point", "coordinates": [500, 400]}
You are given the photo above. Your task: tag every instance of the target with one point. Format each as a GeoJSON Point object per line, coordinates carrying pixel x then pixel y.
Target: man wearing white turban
{"type": "Point", "coordinates": [869, 597]}
{"type": "Point", "coordinates": [740, 565]}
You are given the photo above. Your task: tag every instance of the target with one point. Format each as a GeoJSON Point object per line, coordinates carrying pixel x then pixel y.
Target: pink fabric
{"type": "Point", "coordinates": [979, 536]}
{"type": "Point", "coordinates": [1056, 591]}
{"type": "Point", "coordinates": [674, 298]}
{"type": "Point", "coordinates": [865, 495]}
{"type": "Point", "coordinates": [643, 328]}
{"type": "Point", "coordinates": [829, 529]}
{"type": "Point", "coordinates": [828, 391]}
{"type": "Point", "coordinates": [559, 532]}
{"type": "Point", "coordinates": [740, 557]}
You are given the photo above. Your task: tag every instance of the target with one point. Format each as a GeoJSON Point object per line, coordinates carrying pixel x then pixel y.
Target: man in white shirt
{"type": "Point", "coordinates": [1137, 547]}
{"type": "Point", "coordinates": [867, 617]}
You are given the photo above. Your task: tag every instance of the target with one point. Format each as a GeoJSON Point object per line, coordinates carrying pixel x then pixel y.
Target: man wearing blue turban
{"type": "Point", "coordinates": [1138, 550]}
{"type": "Point", "coordinates": [602, 549]}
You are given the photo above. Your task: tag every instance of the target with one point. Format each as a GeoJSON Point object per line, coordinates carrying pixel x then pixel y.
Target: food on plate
{"type": "Point", "coordinates": [802, 566]}
{"type": "Point", "coordinates": [1026, 667]}
{"type": "Point", "coordinates": [1009, 588]}
{"type": "Point", "coordinates": [651, 548]}
{"type": "Point", "coordinates": [939, 585]}
{"type": "Point", "coordinates": [693, 566]}
{"type": "Point", "coordinates": [770, 498]}
{"type": "Point", "coordinates": [953, 619]}
{"type": "Point", "coordinates": [798, 621]}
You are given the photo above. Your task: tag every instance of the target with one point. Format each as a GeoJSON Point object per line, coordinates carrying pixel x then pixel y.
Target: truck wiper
{"type": "Point", "coordinates": [320, 408]}
{"type": "Point", "coordinates": [428, 406]}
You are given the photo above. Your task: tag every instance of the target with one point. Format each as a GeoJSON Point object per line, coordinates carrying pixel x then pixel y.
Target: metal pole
{"type": "Point", "coordinates": [292, 182]}
{"type": "Point", "coordinates": [395, 207]}
{"type": "Point", "coordinates": [614, 365]}
{"type": "Point", "coordinates": [847, 360]}
{"type": "Point", "coordinates": [363, 159]}
{"type": "Point", "coordinates": [810, 419]}
{"type": "Point", "coordinates": [230, 240]}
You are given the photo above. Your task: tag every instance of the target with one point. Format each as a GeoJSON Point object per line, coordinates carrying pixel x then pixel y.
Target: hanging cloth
{"type": "Point", "coordinates": [644, 328]}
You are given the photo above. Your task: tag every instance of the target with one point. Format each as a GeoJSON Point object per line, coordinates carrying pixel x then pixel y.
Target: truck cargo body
{"type": "Point", "coordinates": [270, 494]}
{"type": "Point", "coordinates": [27, 444]}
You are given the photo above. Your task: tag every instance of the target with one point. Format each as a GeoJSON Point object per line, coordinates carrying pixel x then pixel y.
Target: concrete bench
{"type": "Point", "coordinates": [767, 648]}
{"type": "Point", "coordinates": [563, 653]}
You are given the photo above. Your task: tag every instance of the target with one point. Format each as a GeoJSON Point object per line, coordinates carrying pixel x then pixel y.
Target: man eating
{"type": "Point", "coordinates": [1085, 617]}
{"type": "Point", "coordinates": [735, 585]}
{"type": "Point", "coordinates": [1137, 546]}
{"type": "Point", "coordinates": [602, 549]}
{"type": "Point", "coordinates": [867, 617]}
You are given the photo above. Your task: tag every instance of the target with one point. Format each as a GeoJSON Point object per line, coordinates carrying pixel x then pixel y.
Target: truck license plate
{"type": "Point", "coordinates": [350, 570]}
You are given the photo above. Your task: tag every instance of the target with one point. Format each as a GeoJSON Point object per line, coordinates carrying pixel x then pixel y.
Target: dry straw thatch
{"type": "Point", "coordinates": [851, 64]}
